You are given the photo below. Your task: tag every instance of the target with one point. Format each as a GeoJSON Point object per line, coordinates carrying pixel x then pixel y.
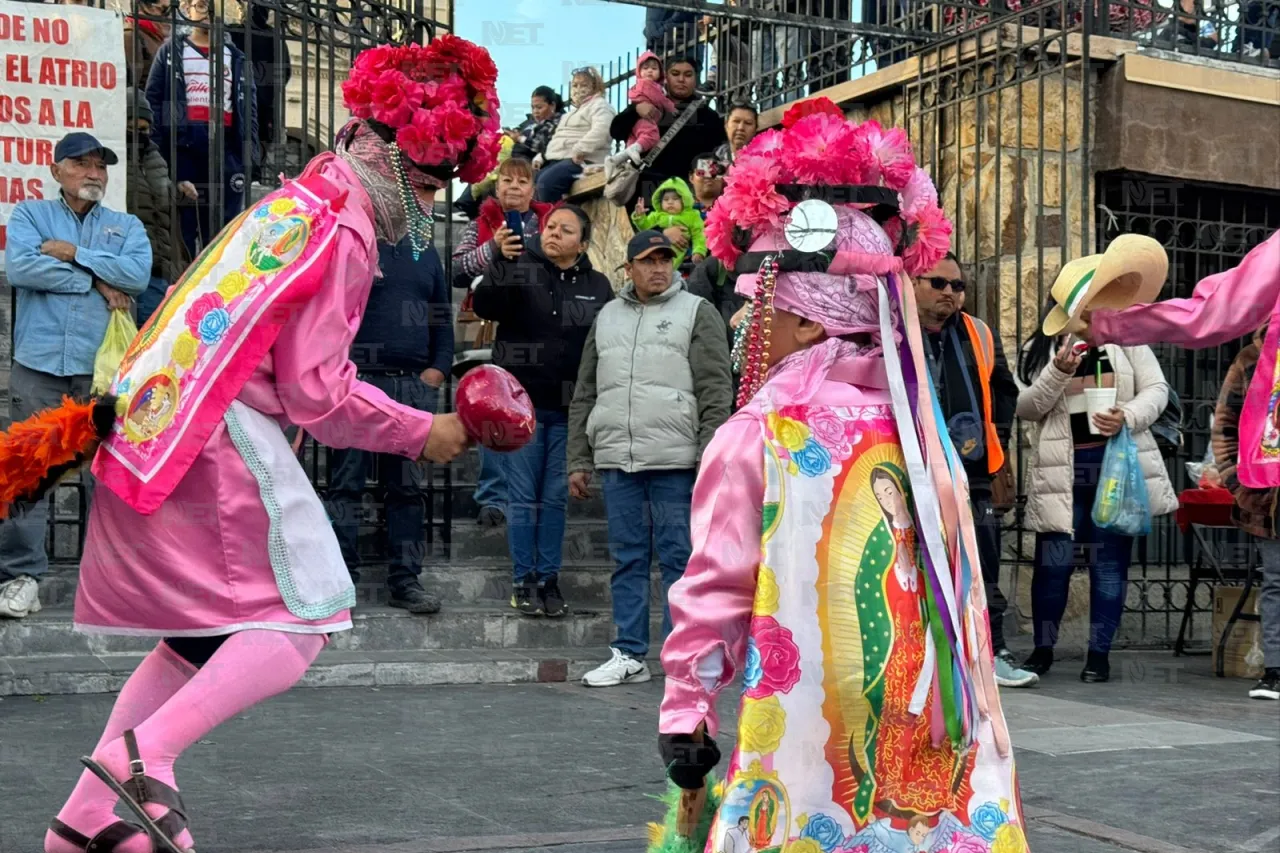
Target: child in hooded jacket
{"type": "Point", "coordinates": [673, 205]}
{"type": "Point", "coordinates": [648, 89]}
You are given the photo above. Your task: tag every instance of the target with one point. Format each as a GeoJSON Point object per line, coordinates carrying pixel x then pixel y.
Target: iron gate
{"type": "Point", "coordinates": [299, 51]}
{"type": "Point", "coordinates": [1205, 229]}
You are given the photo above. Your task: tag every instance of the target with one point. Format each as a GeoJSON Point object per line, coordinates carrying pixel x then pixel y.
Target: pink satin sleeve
{"type": "Point", "coordinates": [711, 605]}
{"type": "Point", "coordinates": [315, 379]}
{"type": "Point", "coordinates": [1223, 307]}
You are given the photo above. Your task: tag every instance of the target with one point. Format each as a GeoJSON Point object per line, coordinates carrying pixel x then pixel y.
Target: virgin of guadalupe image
{"type": "Point", "coordinates": [901, 773]}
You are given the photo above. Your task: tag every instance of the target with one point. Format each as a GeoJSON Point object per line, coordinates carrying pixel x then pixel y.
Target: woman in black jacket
{"type": "Point", "coordinates": [544, 298]}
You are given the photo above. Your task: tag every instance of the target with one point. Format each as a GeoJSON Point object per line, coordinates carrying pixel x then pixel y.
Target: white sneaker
{"type": "Point", "coordinates": [19, 597]}
{"type": "Point", "coordinates": [1009, 674]}
{"type": "Point", "coordinates": [619, 669]}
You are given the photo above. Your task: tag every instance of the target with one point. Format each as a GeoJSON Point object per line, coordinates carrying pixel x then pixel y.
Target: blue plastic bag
{"type": "Point", "coordinates": [1121, 504]}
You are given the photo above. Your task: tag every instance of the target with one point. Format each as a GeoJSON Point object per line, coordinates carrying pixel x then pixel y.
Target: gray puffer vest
{"type": "Point", "coordinates": [646, 413]}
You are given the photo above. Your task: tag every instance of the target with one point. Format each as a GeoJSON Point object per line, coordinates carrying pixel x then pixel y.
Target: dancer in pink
{"type": "Point", "coordinates": [207, 534]}
{"type": "Point", "coordinates": [648, 89]}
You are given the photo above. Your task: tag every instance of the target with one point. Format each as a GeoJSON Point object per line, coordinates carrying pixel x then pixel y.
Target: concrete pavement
{"type": "Point", "coordinates": [1166, 759]}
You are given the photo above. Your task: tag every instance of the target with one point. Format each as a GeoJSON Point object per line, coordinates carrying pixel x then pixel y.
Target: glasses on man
{"type": "Point", "coordinates": [709, 169]}
{"type": "Point", "coordinates": [940, 283]}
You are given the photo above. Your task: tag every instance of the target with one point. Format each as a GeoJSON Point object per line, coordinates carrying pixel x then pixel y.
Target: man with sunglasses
{"type": "Point", "coordinates": [977, 394]}
{"type": "Point", "coordinates": [706, 177]}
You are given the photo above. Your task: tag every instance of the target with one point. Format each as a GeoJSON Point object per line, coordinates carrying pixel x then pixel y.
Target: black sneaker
{"type": "Point", "coordinates": [1097, 668]}
{"type": "Point", "coordinates": [491, 516]}
{"type": "Point", "coordinates": [552, 601]}
{"type": "Point", "coordinates": [415, 599]}
{"type": "Point", "coordinates": [1268, 687]}
{"type": "Point", "coordinates": [1039, 661]}
{"type": "Point", "coordinates": [524, 597]}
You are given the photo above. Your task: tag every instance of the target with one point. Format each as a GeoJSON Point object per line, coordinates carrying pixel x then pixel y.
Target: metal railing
{"type": "Point", "coordinates": [771, 52]}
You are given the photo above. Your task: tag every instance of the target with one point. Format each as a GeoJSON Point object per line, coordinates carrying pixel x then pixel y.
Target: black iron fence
{"type": "Point", "coordinates": [274, 101]}
{"type": "Point", "coordinates": [771, 52]}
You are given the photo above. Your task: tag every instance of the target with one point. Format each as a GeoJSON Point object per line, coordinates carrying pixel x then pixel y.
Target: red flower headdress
{"type": "Point", "coordinates": [440, 100]}
{"type": "Point", "coordinates": [819, 147]}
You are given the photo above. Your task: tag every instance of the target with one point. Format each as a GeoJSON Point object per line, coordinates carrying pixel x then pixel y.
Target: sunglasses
{"type": "Point", "coordinates": [709, 170]}
{"type": "Point", "coordinates": [939, 283]}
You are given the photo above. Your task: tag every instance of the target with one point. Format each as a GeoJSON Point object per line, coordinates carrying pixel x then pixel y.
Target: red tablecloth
{"type": "Point", "coordinates": [1209, 507]}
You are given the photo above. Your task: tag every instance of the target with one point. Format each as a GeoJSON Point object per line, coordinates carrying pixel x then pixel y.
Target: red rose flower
{"type": "Point", "coordinates": [358, 97]}
{"type": "Point", "coordinates": [395, 97]}
{"type": "Point", "coordinates": [811, 107]}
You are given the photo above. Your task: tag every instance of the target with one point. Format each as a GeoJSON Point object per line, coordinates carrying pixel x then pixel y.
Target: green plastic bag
{"type": "Point", "coordinates": [121, 331]}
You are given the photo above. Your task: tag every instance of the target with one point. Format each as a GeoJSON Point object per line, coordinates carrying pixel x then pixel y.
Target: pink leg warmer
{"type": "Point", "coordinates": [157, 678]}
{"type": "Point", "coordinates": [249, 667]}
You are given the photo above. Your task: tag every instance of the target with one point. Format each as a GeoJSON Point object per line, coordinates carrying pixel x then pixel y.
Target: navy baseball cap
{"type": "Point", "coordinates": [79, 144]}
{"type": "Point", "coordinates": [646, 243]}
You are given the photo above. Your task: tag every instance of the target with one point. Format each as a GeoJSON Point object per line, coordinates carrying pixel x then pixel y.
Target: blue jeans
{"type": "Point", "coordinates": [491, 488]}
{"type": "Point", "coordinates": [556, 178]}
{"type": "Point", "coordinates": [648, 510]}
{"type": "Point", "coordinates": [537, 491]}
{"type": "Point", "coordinates": [1107, 555]}
{"type": "Point", "coordinates": [399, 490]}
{"type": "Point", "coordinates": [149, 300]}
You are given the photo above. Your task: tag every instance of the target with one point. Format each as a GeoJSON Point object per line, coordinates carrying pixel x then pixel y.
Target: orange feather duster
{"type": "Point", "coordinates": [38, 451]}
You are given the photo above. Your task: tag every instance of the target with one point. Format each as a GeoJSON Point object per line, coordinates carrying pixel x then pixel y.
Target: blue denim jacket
{"type": "Point", "coordinates": [61, 319]}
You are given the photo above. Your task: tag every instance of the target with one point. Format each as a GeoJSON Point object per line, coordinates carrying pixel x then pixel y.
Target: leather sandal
{"type": "Point", "coordinates": [106, 841]}
{"type": "Point", "coordinates": [137, 790]}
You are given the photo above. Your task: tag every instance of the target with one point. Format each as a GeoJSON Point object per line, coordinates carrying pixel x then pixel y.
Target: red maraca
{"type": "Point", "coordinates": [495, 409]}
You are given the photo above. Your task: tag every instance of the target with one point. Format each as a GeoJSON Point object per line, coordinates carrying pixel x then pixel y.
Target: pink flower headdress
{"type": "Point", "coordinates": [440, 102]}
{"type": "Point", "coordinates": [821, 154]}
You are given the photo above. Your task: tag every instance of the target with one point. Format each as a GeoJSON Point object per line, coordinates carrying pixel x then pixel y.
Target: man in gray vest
{"type": "Point", "coordinates": [653, 387]}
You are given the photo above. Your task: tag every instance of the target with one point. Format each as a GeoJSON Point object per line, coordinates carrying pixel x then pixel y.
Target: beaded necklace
{"type": "Point", "coordinates": [761, 332]}
{"type": "Point", "coordinates": [421, 225]}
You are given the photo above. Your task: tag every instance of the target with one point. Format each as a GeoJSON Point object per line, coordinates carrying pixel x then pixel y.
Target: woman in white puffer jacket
{"type": "Point", "coordinates": [581, 138]}
{"type": "Point", "coordinates": [1066, 457]}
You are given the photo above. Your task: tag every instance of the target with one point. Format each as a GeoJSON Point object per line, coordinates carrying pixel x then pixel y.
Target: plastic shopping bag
{"type": "Point", "coordinates": [121, 331]}
{"type": "Point", "coordinates": [1121, 504]}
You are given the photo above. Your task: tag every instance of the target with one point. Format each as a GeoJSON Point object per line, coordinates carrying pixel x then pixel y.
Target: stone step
{"type": "Point", "coordinates": [50, 675]}
{"type": "Point", "coordinates": [483, 626]}
{"type": "Point", "coordinates": [456, 582]}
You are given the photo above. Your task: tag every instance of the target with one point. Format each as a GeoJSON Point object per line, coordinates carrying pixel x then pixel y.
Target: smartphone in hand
{"type": "Point", "coordinates": [515, 223]}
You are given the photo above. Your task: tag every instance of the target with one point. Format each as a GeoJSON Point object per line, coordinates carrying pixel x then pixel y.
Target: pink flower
{"type": "Point", "coordinates": [817, 149]}
{"type": "Point", "coordinates": [918, 194]}
{"type": "Point", "coordinates": [779, 658]}
{"type": "Point", "coordinates": [932, 232]}
{"type": "Point", "coordinates": [202, 306]}
{"type": "Point", "coordinates": [395, 97]}
{"type": "Point", "coordinates": [764, 144]}
{"type": "Point", "coordinates": [358, 96]}
{"type": "Point", "coordinates": [372, 62]}
{"type": "Point", "coordinates": [890, 154]}
{"type": "Point", "coordinates": [420, 140]}
{"type": "Point", "coordinates": [719, 234]}
{"type": "Point", "coordinates": [964, 843]}
{"type": "Point", "coordinates": [753, 200]}
{"type": "Point", "coordinates": [484, 158]}
{"type": "Point", "coordinates": [456, 126]}
{"type": "Point", "coordinates": [832, 432]}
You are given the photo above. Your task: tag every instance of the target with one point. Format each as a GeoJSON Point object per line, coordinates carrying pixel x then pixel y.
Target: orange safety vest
{"type": "Point", "coordinates": [984, 351]}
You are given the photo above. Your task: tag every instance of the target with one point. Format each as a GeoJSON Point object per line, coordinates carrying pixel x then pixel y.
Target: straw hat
{"type": "Point", "coordinates": [1131, 271]}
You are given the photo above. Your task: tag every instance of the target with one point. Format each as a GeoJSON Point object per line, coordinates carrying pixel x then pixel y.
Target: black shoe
{"type": "Point", "coordinates": [1039, 661]}
{"type": "Point", "coordinates": [524, 597]}
{"type": "Point", "coordinates": [491, 516]}
{"type": "Point", "coordinates": [1268, 687]}
{"type": "Point", "coordinates": [1097, 668]}
{"type": "Point", "coordinates": [552, 601]}
{"type": "Point", "coordinates": [415, 599]}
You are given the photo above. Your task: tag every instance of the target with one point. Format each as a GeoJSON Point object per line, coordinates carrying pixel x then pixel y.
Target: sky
{"type": "Point", "coordinates": [539, 42]}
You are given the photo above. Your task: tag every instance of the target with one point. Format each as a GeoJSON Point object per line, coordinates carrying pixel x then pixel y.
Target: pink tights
{"type": "Point", "coordinates": [170, 705]}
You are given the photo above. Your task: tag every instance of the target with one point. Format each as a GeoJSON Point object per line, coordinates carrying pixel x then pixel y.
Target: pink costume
{"type": "Point", "coordinates": [204, 563]}
{"type": "Point", "coordinates": [834, 567]}
{"type": "Point", "coordinates": [1223, 307]}
{"type": "Point", "coordinates": [645, 133]}
{"type": "Point", "coordinates": [205, 524]}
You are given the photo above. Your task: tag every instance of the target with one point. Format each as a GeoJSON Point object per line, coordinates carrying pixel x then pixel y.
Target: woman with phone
{"type": "Point", "coordinates": [1075, 398]}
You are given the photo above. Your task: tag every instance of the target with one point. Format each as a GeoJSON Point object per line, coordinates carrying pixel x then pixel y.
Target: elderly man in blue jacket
{"type": "Point", "coordinates": [72, 261]}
